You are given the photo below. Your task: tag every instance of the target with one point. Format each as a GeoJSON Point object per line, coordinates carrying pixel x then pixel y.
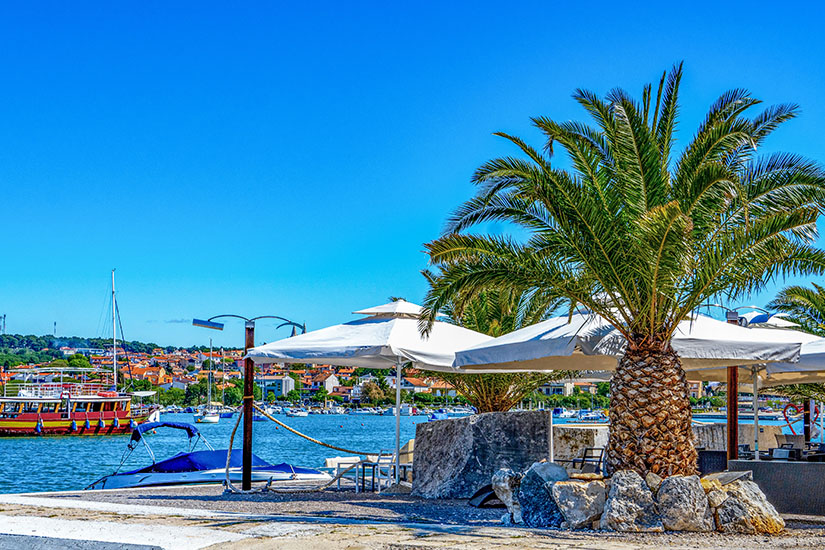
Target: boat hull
{"type": "Point", "coordinates": [154, 479]}
{"type": "Point", "coordinates": [23, 427]}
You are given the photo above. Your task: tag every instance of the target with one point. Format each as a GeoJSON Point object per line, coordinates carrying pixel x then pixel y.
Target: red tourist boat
{"type": "Point", "coordinates": [69, 409]}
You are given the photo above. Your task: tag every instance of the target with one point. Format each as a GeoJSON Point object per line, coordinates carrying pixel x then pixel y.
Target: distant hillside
{"type": "Point", "coordinates": [19, 349]}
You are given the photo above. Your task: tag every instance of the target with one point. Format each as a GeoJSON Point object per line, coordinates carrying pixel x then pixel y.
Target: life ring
{"type": "Point", "coordinates": [797, 411]}
{"type": "Point", "coordinates": [788, 420]}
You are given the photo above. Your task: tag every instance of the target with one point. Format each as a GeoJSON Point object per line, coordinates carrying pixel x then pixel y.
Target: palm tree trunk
{"type": "Point", "coordinates": [650, 417]}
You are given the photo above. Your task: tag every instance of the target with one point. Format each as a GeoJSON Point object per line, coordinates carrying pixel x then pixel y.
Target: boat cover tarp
{"type": "Point", "coordinates": [210, 460]}
{"type": "Point", "coordinates": [191, 430]}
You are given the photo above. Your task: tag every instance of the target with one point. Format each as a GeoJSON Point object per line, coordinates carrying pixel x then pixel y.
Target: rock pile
{"type": "Point", "coordinates": [545, 496]}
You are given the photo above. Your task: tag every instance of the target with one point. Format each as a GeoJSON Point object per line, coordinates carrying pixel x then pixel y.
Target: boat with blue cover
{"type": "Point", "coordinates": [206, 465]}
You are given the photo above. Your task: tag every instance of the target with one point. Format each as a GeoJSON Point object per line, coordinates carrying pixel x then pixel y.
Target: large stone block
{"type": "Point", "coordinates": [683, 505]}
{"type": "Point", "coordinates": [630, 505]}
{"type": "Point", "coordinates": [759, 512]}
{"type": "Point", "coordinates": [569, 442]}
{"type": "Point", "coordinates": [455, 457]}
{"type": "Point", "coordinates": [581, 503]}
{"type": "Point", "coordinates": [506, 483]}
{"type": "Point", "coordinates": [538, 509]}
{"type": "Point", "coordinates": [714, 437]}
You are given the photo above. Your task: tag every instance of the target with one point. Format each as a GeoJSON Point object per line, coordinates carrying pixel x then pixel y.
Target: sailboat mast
{"type": "Point", "coordinates": [114, 332]}
{"type": "Point", "coordinates": [209, 377]}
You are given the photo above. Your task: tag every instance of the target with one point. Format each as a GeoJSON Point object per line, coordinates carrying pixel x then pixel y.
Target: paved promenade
{"type": "Point", "coordinates": [183, 518]}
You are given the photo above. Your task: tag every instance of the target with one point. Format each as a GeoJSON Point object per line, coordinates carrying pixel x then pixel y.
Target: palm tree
{"type": "Point", "coordinates": [642, 235]}
{"type": "Point", "coordinates": [497, 312]}
{"type": "Point", "coordinates": [804, 306]}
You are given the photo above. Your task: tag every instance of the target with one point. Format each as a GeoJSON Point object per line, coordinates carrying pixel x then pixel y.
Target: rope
{"type": "Point", "coordinates": [231, 488]}
{"type": "Point", "coordinates": [227, 482]}
{"type": "Point", "coordinates": [308, 438]}
{"type": "Point", "coordinates": [312, 439]}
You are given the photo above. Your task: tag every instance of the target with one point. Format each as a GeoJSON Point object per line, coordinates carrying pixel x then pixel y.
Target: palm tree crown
{"type": "Point", "coordinates": [632, 230]}
{"type": "Point", "coordinates": [805, 306]}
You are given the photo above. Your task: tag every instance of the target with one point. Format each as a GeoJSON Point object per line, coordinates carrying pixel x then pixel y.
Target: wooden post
{"type": "Point", "coordinates": [733, 413]}
{"type": "Point", "coordinates": [806, 420]}
{"type": "Point", "coordinates": [733, 401]}
{"type": "Point", "coordinates": [248, 390]}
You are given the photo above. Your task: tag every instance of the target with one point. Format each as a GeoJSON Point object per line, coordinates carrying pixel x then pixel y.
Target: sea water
{"type": "Point", "coordinates": [65, 463]}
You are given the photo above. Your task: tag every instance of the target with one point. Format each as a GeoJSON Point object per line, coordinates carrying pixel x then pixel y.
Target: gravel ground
{"type": "Point", "coordinates": [348, 521]}
{"type": "Point", "coordinates": [333, 504]}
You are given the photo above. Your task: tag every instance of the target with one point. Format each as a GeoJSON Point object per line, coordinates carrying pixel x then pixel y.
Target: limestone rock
{"type": "Point", "coordinates": [732, 517]}
{"type": "Point", "coordinates": [683, 505]}
{"type": "Point", "coordinates": [537, 506]}
{"type": "Point", "coordinates": [653, 481]}
{"type": "Point", "coordinates": [454, 457]}
{"type": "Point", "coordinates": [710, 485]}
{"type": "Point", "coordinates": [587, 477]}
{"type": "Point", "coordinates": [726, 478]}
{"type": "Point", "coordinates": [580, 503]}
{"type": "Point", "coordinates": [506, 484]}
{"type": "Point", "coordinates": [761, 513]}
{"type": "Point", "coordinates": [716, 498]}
{"type": "Point", "coordinates": [630, 505]}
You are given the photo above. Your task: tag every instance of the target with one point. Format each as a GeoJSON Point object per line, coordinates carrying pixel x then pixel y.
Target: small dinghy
{"type": "Point", "coordinates": [196, 466]}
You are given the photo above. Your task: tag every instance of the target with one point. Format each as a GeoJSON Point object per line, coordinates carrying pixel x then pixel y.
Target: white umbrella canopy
{"type": "Point", "coordinates": [588, 342]}
{"type": "Point", "coordinates": [809, 368]}
{"type": "Point", "coordinates": [388, 337]}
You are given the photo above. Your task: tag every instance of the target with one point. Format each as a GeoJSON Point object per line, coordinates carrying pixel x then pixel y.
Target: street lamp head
{"type": "Point", "coordinates": [207, 324]}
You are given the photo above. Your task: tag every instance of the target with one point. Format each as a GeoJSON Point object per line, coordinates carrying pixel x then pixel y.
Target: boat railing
{"type": "Point", "coordinates": [58, 390]}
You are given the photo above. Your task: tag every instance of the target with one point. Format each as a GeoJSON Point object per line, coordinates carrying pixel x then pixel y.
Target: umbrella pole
{"type": "Point", "coordinates": [733, 413]}
{"type": "Point", "coordinates": [755, 415]}
{"type": "Point", "coordinates": [552, 454]}
{"type": "Point", "coordinates": [397, 420]}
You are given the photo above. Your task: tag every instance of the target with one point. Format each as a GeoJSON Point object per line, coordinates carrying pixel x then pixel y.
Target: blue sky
{"type": "Point", "coordinates": [291, 159]}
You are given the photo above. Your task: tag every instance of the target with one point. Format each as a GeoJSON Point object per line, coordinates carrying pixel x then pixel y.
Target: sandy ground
{"type": "Point", "coordinates": [204, 517]}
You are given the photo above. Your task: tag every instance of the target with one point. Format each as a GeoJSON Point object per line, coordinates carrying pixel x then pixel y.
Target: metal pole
{"type": "Point", "coordinates": [822, 422]}
{"type": "Point", "coordinates": [552, 453]}
{"type": "Point", "coordinates": [248, 390]}
{"type": "Point", "coordinates": [806, 420]}
{"type": "Point", "coordinates": [114, 333]}
{"type": "Point", "coordinates": [397, 420]}
{"type": "Point", "coordinates": [755, 414]}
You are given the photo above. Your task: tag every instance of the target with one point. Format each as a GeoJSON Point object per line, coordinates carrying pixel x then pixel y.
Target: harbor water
{"type": "Point", "coordinates": [36, 464]}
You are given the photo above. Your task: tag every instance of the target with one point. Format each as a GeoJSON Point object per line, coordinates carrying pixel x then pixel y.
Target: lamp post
{"type": "Point", "coordinates": [248, 383]}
